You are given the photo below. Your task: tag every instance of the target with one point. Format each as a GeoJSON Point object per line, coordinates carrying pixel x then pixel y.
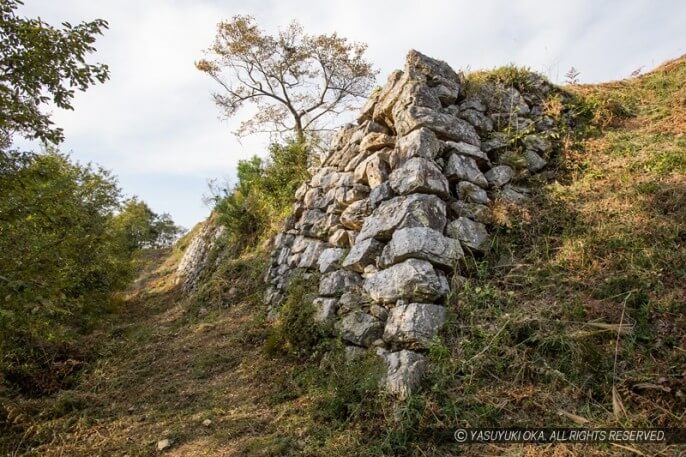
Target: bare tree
{"type": "Point", "coordinates": [298, 82]}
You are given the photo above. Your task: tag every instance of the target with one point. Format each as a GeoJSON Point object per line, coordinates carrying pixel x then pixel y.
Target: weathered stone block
{"type": "Point", "coordinates": [472, 234]}
{"type": "Point", "coordinates": [411, 280]}
{"type": "Point", "coordinates": [414, 325]}
{"type": "Point", "coordinates": [421, 243]}
{"type": "Point", "coordinates": [363, 253]}
{"type": "Point", "coordinates": [416, 210]}
{"type": "Point", "coordinates": [419, 175]}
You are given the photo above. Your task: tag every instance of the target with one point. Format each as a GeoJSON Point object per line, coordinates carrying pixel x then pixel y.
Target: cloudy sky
{"type": "Point", "coordinates": [154, 123]}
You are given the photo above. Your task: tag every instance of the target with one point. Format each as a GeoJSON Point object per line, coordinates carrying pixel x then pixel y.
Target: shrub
{"type": "Point", "coordinates": [296, 331]}
{"type": "Point", "coordinates": [62, 255]}
{"type": "Point", "coordinates": [263, 195]}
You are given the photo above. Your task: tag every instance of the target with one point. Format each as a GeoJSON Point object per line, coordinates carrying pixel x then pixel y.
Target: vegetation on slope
{"type": "Point", "coordinates": [534, 336]}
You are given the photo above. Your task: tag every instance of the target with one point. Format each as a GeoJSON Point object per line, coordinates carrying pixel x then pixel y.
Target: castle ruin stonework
{"type": "Point", "coordinates": [401, 197]}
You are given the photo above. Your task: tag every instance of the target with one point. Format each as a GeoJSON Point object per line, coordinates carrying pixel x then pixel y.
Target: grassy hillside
{"type": "Point", "coordinates": [534, 337]}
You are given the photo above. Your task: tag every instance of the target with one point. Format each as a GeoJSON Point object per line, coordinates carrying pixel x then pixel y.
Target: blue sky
{"type": "Point", "coordinates": [155, 126]}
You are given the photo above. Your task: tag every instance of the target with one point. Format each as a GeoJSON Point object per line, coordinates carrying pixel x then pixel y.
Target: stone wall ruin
{"type": "Point", "coordinates": [398, 200]}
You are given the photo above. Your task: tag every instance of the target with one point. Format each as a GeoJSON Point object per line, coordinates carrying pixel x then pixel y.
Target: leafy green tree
{"type": "Point", "coordinates": [142, 228]}
{"type": "Point", "coordinates": [41, 64]}
{"type": "Point", "coordinates": [61, 257]}
{"type": "Point", "coordinates": [263, 194]}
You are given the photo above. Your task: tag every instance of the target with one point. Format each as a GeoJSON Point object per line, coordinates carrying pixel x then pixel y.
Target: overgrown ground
{"type": "Point", "coordinates": [532, 339]}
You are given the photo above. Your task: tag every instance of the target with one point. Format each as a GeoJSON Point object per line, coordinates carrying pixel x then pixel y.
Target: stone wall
{"type": "Point", "coordinates": [196, 258]}
{"type": "Point", "coordinates": [398, 200]}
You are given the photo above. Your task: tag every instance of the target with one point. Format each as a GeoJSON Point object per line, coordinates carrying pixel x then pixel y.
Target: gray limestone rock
{"type": "Point", "coordinates": [335, 283]}
{"type": "Point", "coordinates": [474, 211]}
{"type": "Point", "coordinates": [380, 194]}
{"type": "Point", "coordinates": [375, 141]}
{"type": "Point", "coordinates": [339, 238]}
{"type": "Point", "coordinates": [534, 162]}
{"type": "Point", "coordinates": [421, 243]}
{"type": "Point", "coordinates": [465, 169]}
{"type": "Point", "coordinates": [324, 309]}
{"type": "Point", "coordinates": [444, 125]}
{"type": "Point", "coordinates": [472, 234]}
{"type": "Point", "coordinates": [360, 328]}
{"type": "Point", "coordinates": [414, 325]}
{"type": "Point", "coordinates": [500, 175]}
{"type": "Point", "coordinates": [419, 175]}
{"type": "Point", "coordinates": [481, 122]}
{"type": "Point", "coordinates": [418, 143]}
{"type": "Point", "coordinates": [416, 210]}
{"type": "Point", "coordinates": [310, 256]}
{"type": "Point", "coordinates": [467, 149]}
{"type": "Point", "coordinates": [470, 192]}
{"type": "Point", "coordinates": [412, 280]}
{"type": "Point", "coordinates": [354, 215]}
{"type": "Point", "coordinates": [513, 195]}
{"type": "Point", "coordinates": [363, 253]}
{"type": "Point", "coordinates": [330, 259]}
{"type": "Point", "coordinates": [536, 143]}
{"type": "Point", "coordinates": [404, 372]}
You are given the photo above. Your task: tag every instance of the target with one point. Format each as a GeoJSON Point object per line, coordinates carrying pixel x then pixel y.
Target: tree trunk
{"type": "Point", "coordinates": [299, 133]}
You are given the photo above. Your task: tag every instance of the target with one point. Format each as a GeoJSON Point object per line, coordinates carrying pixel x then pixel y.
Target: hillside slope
{"type": "Point", "coordinates": [532, 338]}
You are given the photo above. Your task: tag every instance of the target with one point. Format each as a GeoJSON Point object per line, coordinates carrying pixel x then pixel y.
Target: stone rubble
{"type": "Point", "coordinates": [398, 196]}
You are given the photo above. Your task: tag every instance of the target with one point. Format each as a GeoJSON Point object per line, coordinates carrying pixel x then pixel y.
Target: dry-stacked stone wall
{"type": "Point", "coordinates": [398, 200]}
{"type": "Point", "coordinates": [196, 257]}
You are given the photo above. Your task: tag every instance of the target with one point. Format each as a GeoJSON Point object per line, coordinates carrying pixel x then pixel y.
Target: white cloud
{"type": "Point", "coordinates": [155, 117]}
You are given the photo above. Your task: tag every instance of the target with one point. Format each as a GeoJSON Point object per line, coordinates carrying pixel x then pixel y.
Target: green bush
{"type": "Point", "coordinates": [296, 331]}
{"type": "Point", "coordinates": [141, 227]}
{"type": "Point", "coordinates": [263, 195]}
{"type": "Point", "coordinates": [62, 255]}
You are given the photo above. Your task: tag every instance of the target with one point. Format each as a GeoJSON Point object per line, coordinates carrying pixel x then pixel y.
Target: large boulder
{"type": "Point", "coordinates": [360, 328]}
{"type": "Point", "coordinates": [353, 216]}
{"type": "Point", "coordinates": [472, 234]}
{"type": "Point", "coordinates": [363, 253]}
{"type": "Point", "coordinates": [412, 280]}
{"type": "Point", "coordinates": [414, 324]}
{"type": "Point", "coordinates": [418, 143]}
{"type": "Point", "coordinates": [330, 259]}
{"type": "Point", "coordinates": [444, 125]}
{"type": "Point", "coordinates": [421, 243]}
{"type": "Point", "coordinates": [419, 175]}
{"type": "Point", "coordinates": [415, 210]}
{"type": "Point", "coordinates": [337, 282]}
{"type": "Point", "coordinates": [404, 372]}
{"type": "Point", "coordinates": [465, 169]}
